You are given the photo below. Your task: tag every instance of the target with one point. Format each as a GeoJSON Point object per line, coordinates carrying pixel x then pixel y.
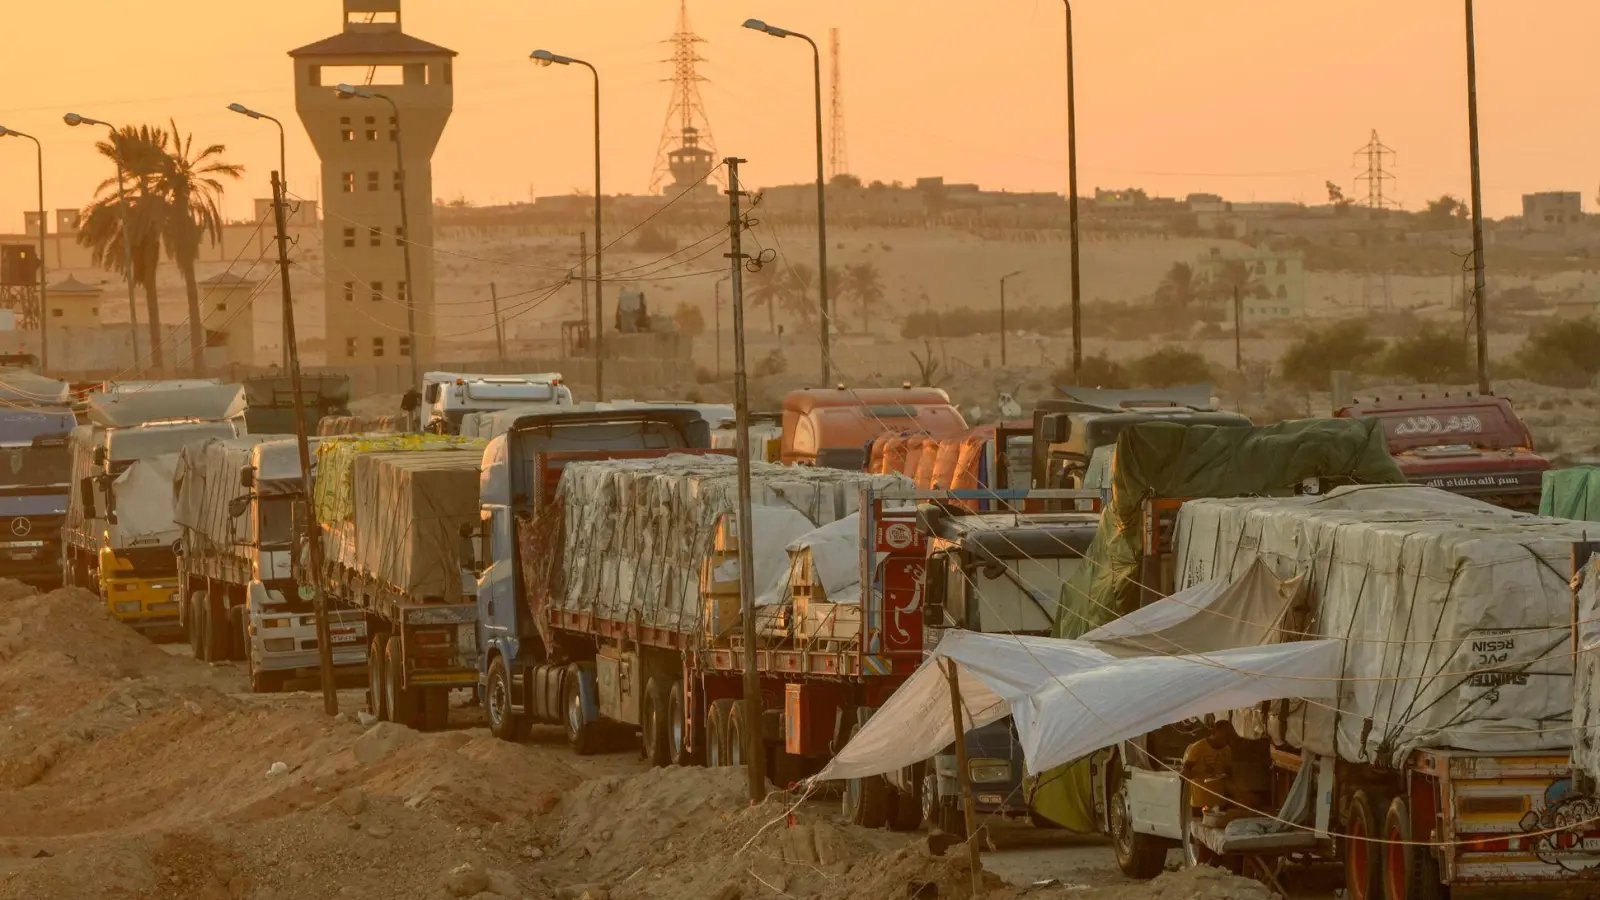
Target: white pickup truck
{"type": "Point", "coordinates": [450, 396]}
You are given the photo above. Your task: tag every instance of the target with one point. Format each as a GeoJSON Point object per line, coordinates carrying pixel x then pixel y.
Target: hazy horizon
{"type": "Point", "coordinates": [1251, 99]}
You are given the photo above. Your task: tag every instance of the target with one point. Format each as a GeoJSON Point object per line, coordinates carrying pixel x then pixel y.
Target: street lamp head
{"type": "Point", "coordinates": [758, 25]}
{"type": "Point", "coordinates": [546, 58]}
{"type": "Point", "coordinates": [346, 91]}
{"type": "Point", "coordinates": [243, 110]}
{"type": "Point", "coordinates": [75, 120]}
{"type": "Point", "coordinates": [1010, 275]}
{"type": "Point", "coordinates": [6, 132]}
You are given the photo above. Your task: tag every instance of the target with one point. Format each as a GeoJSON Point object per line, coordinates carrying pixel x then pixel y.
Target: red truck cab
{"type": "Point", "coordinates": [1475, 446]}
{"type": "Point", "coordinates": [835, 427]}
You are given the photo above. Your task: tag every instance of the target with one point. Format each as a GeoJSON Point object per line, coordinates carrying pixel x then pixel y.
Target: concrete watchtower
{"type": "Point", "coordinates": [366, 291]}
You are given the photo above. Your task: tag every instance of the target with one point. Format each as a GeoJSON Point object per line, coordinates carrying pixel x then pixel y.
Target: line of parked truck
{"type": "Point", "coordinates": [576, 564]}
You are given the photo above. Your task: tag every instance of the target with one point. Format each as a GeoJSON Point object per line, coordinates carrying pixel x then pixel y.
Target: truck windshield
{"type": "Point", "coordinates": [277, 521]}
{"type": "Point", "coordinates": [25, 467]}
{"type": "Point", "coordinates": [1480, 426]}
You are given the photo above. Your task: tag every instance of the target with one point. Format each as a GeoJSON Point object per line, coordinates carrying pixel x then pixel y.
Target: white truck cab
{"type": "Point", "coordinates": [450, 395]}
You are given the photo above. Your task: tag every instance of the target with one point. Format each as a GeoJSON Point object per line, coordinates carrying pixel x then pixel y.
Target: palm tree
{"type": "Point", "coordinates": [138, 152]}
{"type": "Point", "coordinates": [862, 282]}
{"type": "Point", "coordinates": [1178, 287]}
{"type": "Point", "coordinates": [190, 185]}
{"type": "Point", "coordinates": [765, 289]}
{"type": "Point", "coordinates": [796, 296]}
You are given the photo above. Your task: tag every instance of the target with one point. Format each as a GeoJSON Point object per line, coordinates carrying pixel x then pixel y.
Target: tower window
{"type": "Point", "coordinates": [349, 291]}
{"type": "Point", "coordinates": [377, 291]}
{"type": "Point", "coordinates": [375, 237]}
{"type": "Point", "coordinates": [372, 181]}
{"type": "Point", "coordinates": [394, 135]}
{"type": "Point", "coordinates": [371, 120]}
{"type": "Point", "coordinates": [377, 347]}
{"type": "Point", "coordinates": [56, 313]}
{"type": "Point", "coordinates": [397, 179]}
{"type": "Point", "coordinates": [372, 134]}
{"type": "Point", "coordinates": [405, 346]}
{"type": "Point", "coordinates": [399, 236]}
{"type": "Point", "coordinates": [222, 307]}
{"type": "Point", "coordinates": [400, 291]}
{"type": "Point", "coordinates": [347, 135]}
{"type": "Point", "coordinates": [347, 182]}
{"type": "Point", "coordinates": [349, 237]}
{"type": "Point", "coordinates": [350, 347]}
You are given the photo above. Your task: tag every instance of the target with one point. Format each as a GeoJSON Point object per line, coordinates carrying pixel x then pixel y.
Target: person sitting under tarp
{"type": "Point", "coordinates": [1207, 766]}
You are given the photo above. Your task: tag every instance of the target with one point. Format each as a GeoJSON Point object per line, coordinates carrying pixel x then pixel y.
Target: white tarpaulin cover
{"type": "Point", "coordinates": [1069, 698]}
{"type": "Point", "coordinates": [835, 550]}
{"type": "Point", "coordinates": [206, 402]}
{"type": "Point", "coordinates": [1212, 615]}
{"type": "Point", "coordinates": [144, 503]}
{"type": "Point", "coordinates": [1586, 681]}
{"type": "Point", "coordinates": [1455, 614]}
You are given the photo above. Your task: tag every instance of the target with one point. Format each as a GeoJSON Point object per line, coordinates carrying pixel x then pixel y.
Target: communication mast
{"type": "Point", "coordinates": [687, 124]}
{"type": "Point", "coordinates": [1378, 179]}
{"type": "Point", "coordinates": [838, 151]}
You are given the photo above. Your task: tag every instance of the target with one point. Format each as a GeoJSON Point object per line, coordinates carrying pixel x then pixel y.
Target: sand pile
{"type": "Point", "coordinates": [1202, 883]}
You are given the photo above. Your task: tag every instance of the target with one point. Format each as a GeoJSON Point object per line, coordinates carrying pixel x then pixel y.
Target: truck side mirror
{"type": "Point", "coordinates": [467, 551]}
{"type": "Point", "coordinates": [100, 456]}
{"type": "Point", "coordinates": [432, 393]}
{"type": "Point", "coordinates": [1057, 428]}
{"type": "Point", "coordinates": [247, 477]}
{"type": "Point", "coordinates": [86, 494]}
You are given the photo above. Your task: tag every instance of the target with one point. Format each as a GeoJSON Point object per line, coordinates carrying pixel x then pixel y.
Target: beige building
{"type": "Point", "coordinates": [366, 291]}
{"type": "Point", "coordinates": [230, 318]}
{"type": "Point", "coordinates": [1551, 210]}
{"type": "Point", "coordinates": [1277, 281]}
{"type": "Point", "coordinates": [70, 305]}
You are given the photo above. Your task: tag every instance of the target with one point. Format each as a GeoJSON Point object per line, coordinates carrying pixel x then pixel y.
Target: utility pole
{"type": "Point", "coordinates": [1072, 202]}
{"type": "Point", "coordinates": [716, 312]}
{"type": "Point", "coordinates": [1238, 329]}
{"type": "Point", "coordinates": [971, 812]}
{"type": "Point", "coordinates": [1478, 287]}
{"type": "Point", "coordinates": [754, 756]}
{"type": "Point", "coordinates": [330, 694]}
{"type": "Point", "coordinates": [499, 331]}
{"type": "Point", "coordinates": [1003, 314]}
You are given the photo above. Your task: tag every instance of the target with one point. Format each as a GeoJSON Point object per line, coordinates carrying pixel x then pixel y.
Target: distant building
{"type": "Point", "coordinates": [1276, 280]}
{"type": "Point", "coordinates": [1551, 210]}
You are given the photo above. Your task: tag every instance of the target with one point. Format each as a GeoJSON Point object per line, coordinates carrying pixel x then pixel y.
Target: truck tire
{"type": "Point", "coordinates": [679, 728]}
{"type": "Point", "coordinates": [906, 806]}
{"type": "Point", "coordinates": [653, 747]}
{"type": "Point", "coordinates": [736, 733]}
{"type": "Point", "coordinates": [376, 680]}
{"type": "Point", "coordinates": [402, 704]}
{"type": "Point", "coordinates": [214, 619]}
{"type": "Point", "coordinates": [1140, 856]}
{"type": "Point", "coordinates": [503, 723]}
{"type": "Point", "coordinates": [433, 705]}
{"type": "Point", "coordinates": [192, 626]}
{"type": "Point", "coordinates": [237, 637]}
{"type": "Point", "coordinates": [1410, 871]}
{"type": "Point", "coordinates": [717, 733]}
{"type": "Point", "coordinates": [265, 682]}
{"type": "Point", "coordinates": [582, 734]}
{"type": "Point", "coordinates": [866, 800]}
{"type": "Point", "coordinates": [1363, 860]}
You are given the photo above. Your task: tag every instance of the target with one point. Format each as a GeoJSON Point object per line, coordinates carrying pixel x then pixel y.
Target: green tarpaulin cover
{"type": "Point", "coordinates": [1571, 494]}
{"type": "Point", "coordinates": [1167, 460]}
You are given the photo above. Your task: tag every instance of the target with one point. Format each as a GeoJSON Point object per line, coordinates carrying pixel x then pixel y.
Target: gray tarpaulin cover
{"type": "Point", "coordinates": [208, 403]}
{"type": "Point", "coordinates": [409, 507]}
{"type": "Point", "coordinates": [1454, 615]}
{"type": "Point", "coordinates": [1212, 615]}
{"type": "Point", "coordinates": [205, 482]}
{"type": "Point", "coordinates": [1069, 698]}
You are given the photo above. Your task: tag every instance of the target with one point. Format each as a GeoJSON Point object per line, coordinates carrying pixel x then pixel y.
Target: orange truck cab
{"type": "Point", "coordinates": [1470, 445]}
{"type": "Point", "coordinates": [835, 427]}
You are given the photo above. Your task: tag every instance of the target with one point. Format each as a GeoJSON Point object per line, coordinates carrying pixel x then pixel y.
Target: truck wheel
{"type": "Point", "coordinates": [678, 726]}
{"type": "Point", "coordinates": [866, 800]}
{"type": "Point", "coordinates": [265, 682]}
{"type": "Point", "coordinates": [237, 636]}
{"type": "Point", "coordinates": [503, 723]}
{"type": "Point", "coordinates": [717, 734]}
{"type": "Point", "coordinates": [401, 703]}
{"type": "Point", "coordinates": [1363, 860]}
{"type": "Point", "coordinates": [376, 682]}
{"type": "Point", "coordinates": [1140, 856]}
{"type": "Point", "coordinates": [736, 748]}
{"type": "Point", "coordinates": [581, 733]}
{"type": "Point", "coordinates": [1410, 871]}
{"type": "Point", "coordinates": [192, 625]}
{"type": "Point", "coordinates": [906, 808]}
{"type": "Point", "coordinates": [434, 706]}
{"type": "Point", "coordinates": [653, 725]}
{"type": "Point", "coordinates": [214, 618]}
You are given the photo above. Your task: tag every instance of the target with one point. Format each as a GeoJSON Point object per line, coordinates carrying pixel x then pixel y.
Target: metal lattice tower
{"type": "Point", "coordinates": [1377, 178]}
{"type": "Point", "coordinates": [838, 150]}
{"type": "Point", "coordinates": [686, 123]}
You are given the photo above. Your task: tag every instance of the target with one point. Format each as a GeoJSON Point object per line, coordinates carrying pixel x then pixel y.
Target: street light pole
{"type": "Point", "coordinates": [75, 120]}
{"type": "Point", "coordinates": [1003, 314]}
{"type": "Point", "coordinates": [283, 179]}
{"type": "Point", "coordinates": [1478, 286]}
{"type": "Point", "coordinates": [344, 92]}
{"type": "Point", "coordinates": [822, 200]}
{"type": "Point", "coordinates": [1072, 202]}
{"type": "Point", "coordinates": [546, 58]}
{"type": "Point", "coordinates": [44, 312]}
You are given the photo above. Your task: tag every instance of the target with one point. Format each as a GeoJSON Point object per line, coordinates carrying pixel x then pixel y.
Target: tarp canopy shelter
{"type": "Point", "coordinates": [1070, 698]}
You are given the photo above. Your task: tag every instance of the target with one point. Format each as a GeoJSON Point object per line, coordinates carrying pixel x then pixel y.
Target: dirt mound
{"type": "Point", "coordinates": [37, 630]}
{"type": "Point", "coordinates": [1200, 883]}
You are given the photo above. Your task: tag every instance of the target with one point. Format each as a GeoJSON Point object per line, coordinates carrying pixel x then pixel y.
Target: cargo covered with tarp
{"type": "Point", "coordinates": [142, 461]}
{"type": "Point", "coordinates": [336, 458]}
{"type": "Point", "coordinates": [204, 484]}
{"type": "Point", "coordinates": [409, 507]}
{"type": "Point", "coordinates": [1571, 493]}
{"type": "Point", "coordinates": [271, 401]}
{"type": "Point", "coordinates": [348, 425]}
{"type": "Point", "coordinates": [1586, 677]}
{"type": "Point", "coordinates": [134, 406]}
{"type": "Point", "coordinates": [627, 540]}
{"type": "Point", "coordinates": [1171, 461]}
{"type": "Point", "coordinates": [1455, 616]}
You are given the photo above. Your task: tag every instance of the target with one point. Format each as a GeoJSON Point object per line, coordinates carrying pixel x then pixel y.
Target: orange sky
{"type": "Point", "coordinates": [1253, 99]}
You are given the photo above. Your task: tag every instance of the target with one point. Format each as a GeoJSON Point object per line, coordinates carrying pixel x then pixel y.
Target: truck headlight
{"type": "Point", "coordinates": [275, 623]}
{"type": "Point", "coordinates": [127, 606]}
{"type": "Point", "coordinates": [989, 771]}
{"type": "Point", "coordinates": [278, 645]}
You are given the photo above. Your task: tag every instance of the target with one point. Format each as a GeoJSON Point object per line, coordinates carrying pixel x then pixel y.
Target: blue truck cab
{"type": "Point", "coordinates": [35, 485]}
{"type": "Point", "coordinates": [521, 468]}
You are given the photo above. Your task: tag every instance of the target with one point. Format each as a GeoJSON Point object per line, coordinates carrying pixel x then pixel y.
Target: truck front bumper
{"type": "Point", "coordinates": [144, 603]}
{"type": "Point", "coordinates": [282, 642]}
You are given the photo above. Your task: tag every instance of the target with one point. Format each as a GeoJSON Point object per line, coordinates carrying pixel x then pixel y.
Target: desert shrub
{"type": "Point", "coordinates": [1315, 354]}
{"type": "Point", "coordinates": [1100, 371]}
{"type": "Point", "coordinates": [653, 240]}
{"type": "Point", "coordinates": [1431, 355]}
{"type": "Point", "coordinates": [774, 363]}
{"type": "Point", "coordinates": [1169, 366]}
{"type": "Point", "coordinates": [1561, 354]}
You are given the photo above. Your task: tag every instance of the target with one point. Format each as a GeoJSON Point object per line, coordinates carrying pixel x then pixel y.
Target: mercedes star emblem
{"type": "Point", "coordinates": [21, 527]}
